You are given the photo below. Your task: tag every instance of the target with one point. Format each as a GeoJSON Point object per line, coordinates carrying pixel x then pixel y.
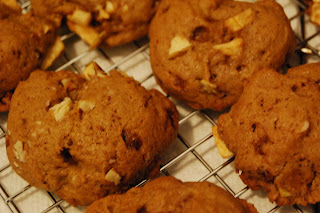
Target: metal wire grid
{"type": "Point", "coordinates": [305, 48]}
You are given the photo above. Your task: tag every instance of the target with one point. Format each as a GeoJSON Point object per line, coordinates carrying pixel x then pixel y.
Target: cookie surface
{"type": "Point", "coordinates": [84, 139]}
{"type": "Point", "coordinates": [314, 11]}
{"type": "Point", "coordinates": [203, 51]}
{"type": "Point", "coordinates": [106, 23]}
{"type": "Point", "coordinates": [274, 132]}
{"type": "Point", "coordinates": [23, 48]}
{"type": "Point", "coordinates": [167, 194]}
{"type": "Point", "coordinates": [9, 8]}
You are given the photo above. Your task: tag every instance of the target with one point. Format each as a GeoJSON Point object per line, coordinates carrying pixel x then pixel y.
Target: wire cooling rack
{"type": "Point", "coordinates": [193, 157]}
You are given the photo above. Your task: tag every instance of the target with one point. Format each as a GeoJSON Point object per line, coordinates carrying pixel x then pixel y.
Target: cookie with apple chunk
{"type": "Point", "coordinates": [100, 22]}
{"type": "Point", "coordinates": [24, 47]}
{"type": "Point", "coordinates": [202, 51]}
{"type": "Point", "coordinates": [314, 11]}
{"type": "Point", "coordinates": [273, 130]}
{"type": "Point", "coordinates": [168, 194]}
{"type": "Point", "coordinates": [87, 136]}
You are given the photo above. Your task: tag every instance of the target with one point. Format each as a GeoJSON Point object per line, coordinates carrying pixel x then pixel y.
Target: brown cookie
{"type": "Point", "coordinates": [24, 47]}
{"type": "Point", "coordinates": [203, 51]}
{"type": "Point", "coordinates": [167, 194]}
{"type": "Point", "coordinates": [314, 11]}
{"type": "Point", "coordinates": [274, 132]}
{"type": "Point", "coordinates": [84, 139]}
{"type": "Point", "coordinates": [9, 8]}
{"type": "Point", "coordinates": [109, 23]}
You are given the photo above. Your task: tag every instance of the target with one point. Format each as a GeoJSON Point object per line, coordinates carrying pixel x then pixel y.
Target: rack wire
{"type": "Point", "coordinates": [193, 157]}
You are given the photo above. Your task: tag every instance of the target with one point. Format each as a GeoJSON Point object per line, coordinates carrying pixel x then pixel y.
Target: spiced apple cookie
{"type": "Point", "coordinates": [86, 136]}
{"type": "Point", "coordinates": [106, 23]}
{"type": "Point", "coordinates": [9, 8]}
{"type": "Point", "coordinates": [274, 132]}
{"type": "Point", "coordinates": [314, 11]}
{"type": "Point", "coordinates": [24, 46]}
{"type": "Point", "coordinates": [168, 194]}
{"type": "Point", "coordinates": [203, 51]}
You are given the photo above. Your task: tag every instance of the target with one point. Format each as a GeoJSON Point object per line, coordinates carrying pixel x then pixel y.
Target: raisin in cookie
{"type": "Point", "coordinates": [203, 51]}
{"type": "Point", "coordinates": [87, 136]}
{"type": "Point", "coordinates": [109, 23]}
{"type": "Point", "coordinates": [167, 194]}
{"type": "Point", "coordinates": [24, 46]}
{"type": "Point", "coordinates": [274, 132]}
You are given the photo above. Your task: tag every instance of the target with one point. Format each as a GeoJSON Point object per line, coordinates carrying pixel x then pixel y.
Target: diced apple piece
{"type": "Point", "coordinates": [231, 48]}
{"type": "Point", "coordinates": [179, 45]}
{"type": "Point", "coordinates": [53, 53]}
{"type": "Point", "coordinates": [222, 148]}
{"type": "Point", "coordinates": [238, 22]}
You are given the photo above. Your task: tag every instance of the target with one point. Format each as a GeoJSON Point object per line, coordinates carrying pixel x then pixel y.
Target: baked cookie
{"type": "Point", "coordinates": [100, 22]}
{"type": "Point", "coordinates": [24, 47]}
{"type": "Point", "coordinates": [203, 51]}
{"type": "Point", "coordinates": [86, 136]}
{"type": "Point", "coordinates": [314, 11]}
{"type": "Point", "coordinates": [274, 132]}
{"type": "Point", "coordinates": [167, 194]}
{"type": "Point", "coordinates": [9, 8]}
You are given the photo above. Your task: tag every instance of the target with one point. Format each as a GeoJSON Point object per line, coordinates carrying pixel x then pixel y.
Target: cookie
{"type": "Point", "coordinates": [9, 8]}
{"type": "Point", "coordinates": [314, 11]}
{"type": "Point", "coordinates": [106, 23]}
{"type": "Point", "coordinates": [202, 52]}
{"type": "Point", "coordinates": [86, 136]}
{"type": "Point", "coordinates": [167, 194]}
{"type": "Point", "coordinates": [24, 47]}
{"type": "Point", "coordinates": [274, 132]}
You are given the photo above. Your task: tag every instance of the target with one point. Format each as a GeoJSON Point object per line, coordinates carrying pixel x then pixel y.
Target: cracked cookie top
{"type": "Point", "coordinates": [86, 136]}
{"type": "Point", "coordinates": [274, 132]}
{"type": "Point", "coordinates": [203, 51]}
{"type": "Point", "coordinates": [168, 194]}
